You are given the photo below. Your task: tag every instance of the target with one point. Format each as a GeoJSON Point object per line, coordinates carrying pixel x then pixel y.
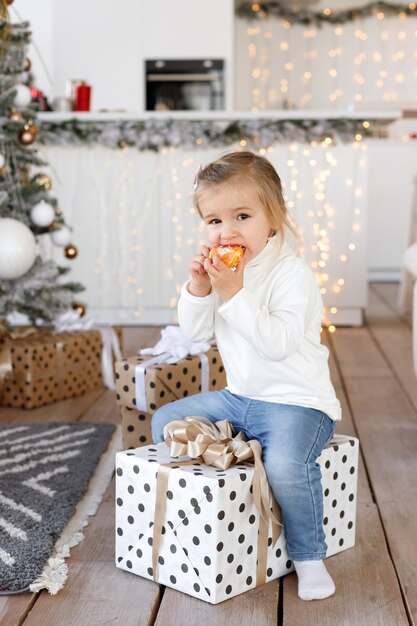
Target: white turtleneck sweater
{"type": "Point", "coordinates": [268, 334]}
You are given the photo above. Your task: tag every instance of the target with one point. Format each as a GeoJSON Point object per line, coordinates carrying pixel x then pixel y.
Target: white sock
{"type": "Point", "coordinates": [314, 581]}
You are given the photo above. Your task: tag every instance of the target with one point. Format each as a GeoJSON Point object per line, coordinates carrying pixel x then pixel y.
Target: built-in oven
{"type": "Point", "coordinates": [184, 85]}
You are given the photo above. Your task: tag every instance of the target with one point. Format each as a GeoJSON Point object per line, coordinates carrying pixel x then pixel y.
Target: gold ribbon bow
{"type": "Point", "coordinates": [215, 445]}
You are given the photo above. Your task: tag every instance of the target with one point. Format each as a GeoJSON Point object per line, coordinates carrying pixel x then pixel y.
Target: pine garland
{"type": "Point", "coordinates": [262, 10]}
{"type": "Point", "coordinates": [165, 133]}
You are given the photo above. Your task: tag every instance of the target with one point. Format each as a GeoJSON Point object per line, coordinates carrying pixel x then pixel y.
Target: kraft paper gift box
{"type": "Point", "coordinates": [47, 367]}
{"type": "Point", "coordinates": [208, 545]}
{"type": "Point", "coordinates": [136, 427]}
{"type": "Point", "coordinates": [163, 383]}
{"type": "Point", "coordinates": [166, 382]}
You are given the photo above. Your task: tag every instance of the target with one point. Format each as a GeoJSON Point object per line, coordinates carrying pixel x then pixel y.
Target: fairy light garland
{"type": "Point", "coordinates": [312, 172]}
{"type": "Point", "coordinates": [309, 34]}
{"type": "Point", "coordinates": [328, 261]}
{"type": "Point", "coordinates": [355, 56]}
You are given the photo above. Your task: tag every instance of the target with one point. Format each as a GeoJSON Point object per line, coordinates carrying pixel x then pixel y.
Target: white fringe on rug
{"type": "Point", "coordinates": [55, 573]}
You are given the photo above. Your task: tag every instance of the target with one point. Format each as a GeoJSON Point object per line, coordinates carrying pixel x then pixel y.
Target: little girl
{"type": "Point", "coordinates": [266, 317]}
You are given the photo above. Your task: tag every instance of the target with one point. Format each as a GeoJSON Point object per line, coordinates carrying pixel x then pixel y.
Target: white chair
{"type": "Point", "coordinates": [410, 263]}
{"type": "Point", "coordinates": [406, 281]}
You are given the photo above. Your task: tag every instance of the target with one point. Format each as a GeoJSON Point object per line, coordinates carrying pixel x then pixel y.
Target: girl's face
{"type": "Point", "coordinates": [233, 214]}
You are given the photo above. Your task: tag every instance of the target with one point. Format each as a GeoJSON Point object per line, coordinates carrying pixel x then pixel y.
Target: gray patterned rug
{"type": "Point", "coordinates": [45, 470]}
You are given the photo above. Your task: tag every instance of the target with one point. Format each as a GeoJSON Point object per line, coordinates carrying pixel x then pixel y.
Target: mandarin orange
{"type": "Point", "coordinates": [230, 255]}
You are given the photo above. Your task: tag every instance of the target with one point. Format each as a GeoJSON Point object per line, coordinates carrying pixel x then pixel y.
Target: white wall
{"type": "Point", "coordinates": [105, 42]}
{"type": "Point", "coordinates": [41, 15]}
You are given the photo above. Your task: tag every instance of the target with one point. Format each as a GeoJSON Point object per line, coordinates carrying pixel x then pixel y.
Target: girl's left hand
{"type": "Point", "coordinates": [223, 280]}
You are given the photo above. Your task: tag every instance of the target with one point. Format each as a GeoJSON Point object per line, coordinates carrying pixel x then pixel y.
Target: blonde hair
{"type": "Point", "coordinates": [257, 171]}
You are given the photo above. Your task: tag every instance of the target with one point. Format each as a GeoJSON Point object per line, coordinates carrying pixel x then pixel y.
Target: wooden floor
{"type": "Point", "coordinates": [376, 580]}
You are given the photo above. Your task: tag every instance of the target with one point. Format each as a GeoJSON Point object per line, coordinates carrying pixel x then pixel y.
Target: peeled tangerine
{"type": "Point", "coordinates": [229, 255]}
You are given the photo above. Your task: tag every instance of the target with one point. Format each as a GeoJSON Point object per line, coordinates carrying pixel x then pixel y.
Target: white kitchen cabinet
{"type": "Point", "coordinates": [188, 29]}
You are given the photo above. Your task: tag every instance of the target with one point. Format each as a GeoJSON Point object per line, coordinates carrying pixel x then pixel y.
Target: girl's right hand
{"type": "Point", "coordinates": [199, 284]}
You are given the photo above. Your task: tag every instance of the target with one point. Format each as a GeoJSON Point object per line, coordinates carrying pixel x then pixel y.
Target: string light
{"type": "Point", "coordinates": [320, 159]}
{"type": "Point", "coordinates": [361, 43]}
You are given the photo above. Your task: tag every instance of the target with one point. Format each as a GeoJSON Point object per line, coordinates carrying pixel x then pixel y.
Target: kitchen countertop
{"type": "Point", "coordinates": [383, 116]}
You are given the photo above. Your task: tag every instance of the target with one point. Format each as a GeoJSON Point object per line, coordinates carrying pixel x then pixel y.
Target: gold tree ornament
{"type": "Point", "coordinates": [80, 307]}
{"type": "Point", "coordinates": [33, 128]}
{"type": "Point", "coordinates": [42, 180]}
{"type": "Point", "coordinates": [16, 116]}
{"type": "Point", "coordinates": [26, 137]}
{"type": "Point", "coordinates": [70, 251]}
{"type": "Point", "coordinates": [27, 64]}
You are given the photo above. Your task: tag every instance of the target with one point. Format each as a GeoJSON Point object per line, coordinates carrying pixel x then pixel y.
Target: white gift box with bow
{"type": "Point", "coordinates": [208, 545]}
{"type": "Point", "coordinates": [171, 348]}
{"type": "Point", "coordinates": [177, 368]}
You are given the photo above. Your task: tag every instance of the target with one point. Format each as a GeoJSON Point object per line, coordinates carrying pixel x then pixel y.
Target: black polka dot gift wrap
{"type": "Point", "coordinates": [208, 543]}
{"type": "Point", "coordinates": [167, 382]}
{"type": "Point", "coordinates": [136, 428]}
{"type": "Point", "coordinates": [49, 366]}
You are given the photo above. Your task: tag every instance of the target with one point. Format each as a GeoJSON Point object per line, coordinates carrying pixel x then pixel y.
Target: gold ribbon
{"type": "Point", "coordinates": [6, 336]}
{"type": "Point", "coordinates": [215, 445]}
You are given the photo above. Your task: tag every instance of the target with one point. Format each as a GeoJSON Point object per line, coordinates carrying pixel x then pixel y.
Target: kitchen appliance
{"type": "Point", "coordinates": [184, 85]}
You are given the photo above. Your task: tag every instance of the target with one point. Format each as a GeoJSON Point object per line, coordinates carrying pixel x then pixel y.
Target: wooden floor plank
{"type": "Point", "coordinates": [64, 411]}
{"type": "Point", "coordinates": [387, 426]}
{"type": "Point", "coordinates": [389, 293]}
{"type": "Point", "coordinates": [104, 409]}
{"type": "Point", "coordinates": [400, 527]}
{"type": "Point", "coordinates": [7, 415]}
{"type": "Point", "coordinates": [357, 362]}
{"type": "Point", "coordinates": [367, 591]}
{"type": "Point", "coordinates": [346, 425]}
{"type": "Point", "coordinates": [14, 608]}
{"type": "Point", "coordinates": [395, 340]}
{"type": "Point", "coordinates": [254, 608]}
{"type": "Point", "coordinates": [98, 593]}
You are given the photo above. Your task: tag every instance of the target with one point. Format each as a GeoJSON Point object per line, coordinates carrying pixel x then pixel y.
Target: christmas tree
{"type": "Point", "coordinates": [29, 284]}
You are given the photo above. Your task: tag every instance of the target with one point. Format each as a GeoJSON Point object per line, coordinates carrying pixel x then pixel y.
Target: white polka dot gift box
{"type": "Point", "coordinates": [208, 544]}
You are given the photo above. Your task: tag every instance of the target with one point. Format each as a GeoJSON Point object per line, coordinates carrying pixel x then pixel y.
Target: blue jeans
{"type": "Point", "coordinates": [292, 437]}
